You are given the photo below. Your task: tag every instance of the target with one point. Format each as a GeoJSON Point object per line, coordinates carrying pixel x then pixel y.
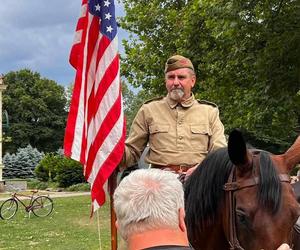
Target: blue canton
{"type": "Point", "coordinates": [105, 10]}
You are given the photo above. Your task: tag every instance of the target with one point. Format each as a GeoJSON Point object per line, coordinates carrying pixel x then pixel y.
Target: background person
{"type": "Point", "coordinates": [149, 205]}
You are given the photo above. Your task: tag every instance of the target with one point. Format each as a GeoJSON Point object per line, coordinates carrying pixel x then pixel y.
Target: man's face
{"type": "Point", "coordinates": [179, 83]}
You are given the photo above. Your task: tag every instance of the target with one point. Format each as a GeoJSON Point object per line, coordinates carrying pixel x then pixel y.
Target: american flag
{"type": "Point", "coordinates": [95, 131]}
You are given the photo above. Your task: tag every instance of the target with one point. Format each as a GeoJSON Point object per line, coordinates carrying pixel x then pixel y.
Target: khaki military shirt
{"type": "Point", "coordinates": [177, 134]}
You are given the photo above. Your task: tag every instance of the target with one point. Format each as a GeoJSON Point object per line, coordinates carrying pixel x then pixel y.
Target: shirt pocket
{"type": "Point", "coordinates": [200, 135]}
{"type": "Point", "coordinates": [159, 138]}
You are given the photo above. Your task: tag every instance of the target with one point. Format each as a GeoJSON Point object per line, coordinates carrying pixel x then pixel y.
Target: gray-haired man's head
{"type": "Point", "coordinates": [148, 199]}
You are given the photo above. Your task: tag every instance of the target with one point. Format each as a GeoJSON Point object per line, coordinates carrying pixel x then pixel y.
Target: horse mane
{"type": "Point", "coordinates": [269, 188]}
{"type": "Point", "coordinates": [204, 189]}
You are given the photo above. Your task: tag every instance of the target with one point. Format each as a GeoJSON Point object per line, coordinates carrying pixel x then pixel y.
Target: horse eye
{"type": "Point", "coordinates": [242, 216]}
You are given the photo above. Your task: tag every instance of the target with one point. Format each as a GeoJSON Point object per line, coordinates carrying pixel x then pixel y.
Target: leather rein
{"type": "Point", "coordinates": [230, 187]}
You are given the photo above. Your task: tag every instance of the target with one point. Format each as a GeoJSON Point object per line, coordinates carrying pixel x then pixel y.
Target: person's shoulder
{"type": "Point", "coordinates": [210, 104]}
{"type": "Point", "coordinates": [155, 99]}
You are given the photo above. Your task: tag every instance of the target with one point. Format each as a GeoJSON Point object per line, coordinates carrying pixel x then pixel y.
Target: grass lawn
{"type": "Point", "coordinates": [68, 227]}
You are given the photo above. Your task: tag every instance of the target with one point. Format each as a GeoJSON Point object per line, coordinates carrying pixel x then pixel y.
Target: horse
{"type": "Point", "coordinates": [240, 198]}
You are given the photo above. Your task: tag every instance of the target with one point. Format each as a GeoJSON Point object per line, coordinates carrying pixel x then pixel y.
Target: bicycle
{"type": "Point", "coordinates": [39, 205]}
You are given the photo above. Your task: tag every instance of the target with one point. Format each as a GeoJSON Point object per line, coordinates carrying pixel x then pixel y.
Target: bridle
{"type": "Point", "coordinates": [230, 187]}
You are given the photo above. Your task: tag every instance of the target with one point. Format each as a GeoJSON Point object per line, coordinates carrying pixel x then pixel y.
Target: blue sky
{"type": "Point", "coordinates": [38, 34]}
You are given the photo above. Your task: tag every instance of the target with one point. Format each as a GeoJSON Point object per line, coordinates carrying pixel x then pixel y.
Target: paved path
{"type": "Point", "coordinates": [55, 194]}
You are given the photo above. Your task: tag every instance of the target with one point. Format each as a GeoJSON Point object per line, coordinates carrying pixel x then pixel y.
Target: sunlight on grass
{"type": "Point", "coordinates": [68, 227]}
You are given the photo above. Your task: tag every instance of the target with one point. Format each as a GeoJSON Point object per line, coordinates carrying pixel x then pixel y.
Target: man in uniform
{"type": "Point", "coordinates": [179, 129]}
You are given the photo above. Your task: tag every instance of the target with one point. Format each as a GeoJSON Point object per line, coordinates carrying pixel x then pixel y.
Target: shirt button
{"type": "Point", "coordinates": [180, 137]}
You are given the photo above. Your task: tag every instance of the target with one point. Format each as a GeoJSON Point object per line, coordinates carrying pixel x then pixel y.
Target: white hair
{"type": "Point", "coordinates": [148, 199]}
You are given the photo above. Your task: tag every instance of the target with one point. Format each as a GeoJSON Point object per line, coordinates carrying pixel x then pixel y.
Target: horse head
{"type": "Point", "coordinates": [255, 207]}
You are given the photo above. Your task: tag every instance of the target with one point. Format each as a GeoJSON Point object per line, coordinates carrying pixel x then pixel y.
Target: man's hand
{"type": "Point", "coordinates": [284, 247]}
{"type": "Point", "coordinates": [189, 172]}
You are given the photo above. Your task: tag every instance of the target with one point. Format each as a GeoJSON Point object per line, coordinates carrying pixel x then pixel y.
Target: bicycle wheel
{"type": "Point", "coordinates": [8, 209]}
{"type": "Point", "coordinates": [42, 206]}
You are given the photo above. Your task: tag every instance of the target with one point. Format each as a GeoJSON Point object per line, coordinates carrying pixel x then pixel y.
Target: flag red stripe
{"type": "Point", "coordinates": [72, 117]}
{"type": "Point", "coordinates": [104, 173]}
{"type": "Point", "coordinates": [103, 131]}
{"type": "Point", "coordinates": [103, 45]}
{"type": "Point", "coordinates": [78, 46]}
{"type": "Point", "coordinates": [76, 60]}
{"type": "Point", "coordinates": [107, 79]}
{"type": "Point", "coordinates": [93, 34]}
{"type": "Point", "coordinates": [95, 130]}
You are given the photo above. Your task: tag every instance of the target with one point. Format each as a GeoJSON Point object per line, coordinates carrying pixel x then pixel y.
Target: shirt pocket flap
{"type": "Point", "coordinates": [201, 129]}
{"type": "Point", "coordinates": [159, 128]}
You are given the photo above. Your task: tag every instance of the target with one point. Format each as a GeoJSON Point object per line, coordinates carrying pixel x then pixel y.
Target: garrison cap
{"type": "Point", "coordinates": [178, 62]}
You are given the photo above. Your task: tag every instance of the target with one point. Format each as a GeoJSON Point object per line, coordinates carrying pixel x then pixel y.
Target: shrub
{"type": "Point", "coordinates": [36, 184]}
{"type": "Point", "coordinates": [56, 167]}
{"type": "Point", "coordinates": [46, 170]}
{"type": "Point", "coordinates": [79, 187]}
{"type": "Point", "coordinates": [69, 172]}
{"type": "Point", "coordinates": [21, 164]}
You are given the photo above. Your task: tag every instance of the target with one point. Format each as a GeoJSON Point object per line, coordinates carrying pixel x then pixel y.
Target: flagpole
{"type": "Point", "coordinates": [112, 186]}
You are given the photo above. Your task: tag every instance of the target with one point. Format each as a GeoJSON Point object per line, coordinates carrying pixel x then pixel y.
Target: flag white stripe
{"type": "Point", "coordinates": [83, 10]}
{"type": "Point", "coordinates": [81, 118]}
{"type": "Point", "coordinates": [108, 100]}
{"type": "Point", "coordinates": [77, 37]}
{"type": "Point", "coordinates": [92, 70]}
{"type": "Point", "coordinates": [106, 148]}
{"type": "Point", "coordinates": [90, 121]}
{"type": "Point", "coordinates": [95, 205]}
{"type": "Point", "coordinates": [78, 33]}
{"type": "Point", "coordinates": [106, 60]}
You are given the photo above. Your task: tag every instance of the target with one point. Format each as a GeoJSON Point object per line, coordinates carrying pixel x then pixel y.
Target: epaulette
{"type": "Point", "coordinates": [207, 102]}
{"type": "Point", "coordinates": [154, 99]}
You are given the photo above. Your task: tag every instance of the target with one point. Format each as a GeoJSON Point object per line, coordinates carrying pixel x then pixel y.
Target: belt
{"type": "Point", "coordinates": [174, 168]}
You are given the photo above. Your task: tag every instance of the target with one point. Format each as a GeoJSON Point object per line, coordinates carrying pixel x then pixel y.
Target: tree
{"type": "Point", "coordinates": [21, 164]}
{"type": "Point", "coordinates": [68, 95]}
{"type": "Point", "coordinates": [246, 54]}
{"type": "Point", "coordinates": [36, 108]}
{"type": "Point", "coordinates": [69, 172]}
{"type": "Point", "coordinates": [9, 162]}
{"type": "Point", "coordinates": [55, 167]}
{"type": "Point", "coordinates": [47, 168]}
{"type": "Point", "coordinates": [132, 103]}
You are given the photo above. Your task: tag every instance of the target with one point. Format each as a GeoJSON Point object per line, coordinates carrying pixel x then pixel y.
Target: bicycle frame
{"type": "Point", "coordinates": [39, 205]}
{"type": "Point", "coordinates": [27, 208]}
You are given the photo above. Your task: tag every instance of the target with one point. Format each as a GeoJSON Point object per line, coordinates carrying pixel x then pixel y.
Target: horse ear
{"type": "Point", "coordinates": [237, 149]}
{"type": "Point", "coordinates": [292, 155]}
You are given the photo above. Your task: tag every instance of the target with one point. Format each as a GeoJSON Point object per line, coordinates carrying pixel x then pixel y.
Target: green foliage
{"type": "Point", "coordinates": [9, 162]}
{"type": "Point", "coordinates": [69, 172]}
{"type": "Point", "coordinates": [246, 55]}
{"type": "Point", "coordinates": [36, 184]}
{"type": "Point", "coordinates": [132, 103]}
{"type": "Point", "coordinates": [46, 170]}
{"type": "Point", "coordinates": [36, 109]}
{"type": "Point", "coordinates": [22, 163]}
{"type": "Point", "coordinates": [79, 187]}
{"type": "Point", "coordinates": [295, 170]}
{"type": "Point", "coordinates": [68, 95]}
{"type": "Point", "coordinates": [54, 167]}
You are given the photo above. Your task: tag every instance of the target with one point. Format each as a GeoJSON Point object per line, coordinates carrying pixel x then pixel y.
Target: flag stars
{"type": "Point", "coordinates": [108, 16]}
{"type": "Point", "coordinates": [107, 3]}
{"type": "Point", "coordinates": [97, 7]}
{"type": "Point", "coordinates": [109, 29]}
